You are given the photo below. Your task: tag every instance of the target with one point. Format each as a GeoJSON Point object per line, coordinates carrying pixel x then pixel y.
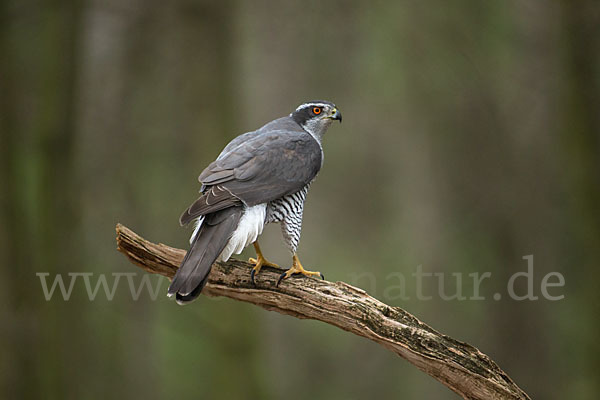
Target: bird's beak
{"type": "Point", "coordinates": [336, 115]}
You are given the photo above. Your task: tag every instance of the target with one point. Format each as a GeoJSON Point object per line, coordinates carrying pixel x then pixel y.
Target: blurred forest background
{"type": "Point", "coordinates": [471, 138]}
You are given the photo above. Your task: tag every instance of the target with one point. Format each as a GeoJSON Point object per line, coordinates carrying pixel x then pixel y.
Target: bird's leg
{"type": "Point", "coordinates": [297, 269]}
{"type": "Point", "coordinates": [259, 262]}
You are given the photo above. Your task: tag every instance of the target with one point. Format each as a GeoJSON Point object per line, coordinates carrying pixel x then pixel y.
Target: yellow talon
{"type": "Point", "coordinates": [297, 269]}
{"type": "Point", "coordinates": [259, 262]}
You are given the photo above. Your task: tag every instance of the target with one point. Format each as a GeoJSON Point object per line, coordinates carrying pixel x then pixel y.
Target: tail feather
{"type": "Point", "coordinates": [207, 245]}
{"type": "Point", "coordinates": [182, 300]}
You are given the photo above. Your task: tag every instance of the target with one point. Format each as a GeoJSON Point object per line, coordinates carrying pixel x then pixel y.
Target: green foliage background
{"type": "Point", "coordinates": [471, 138]}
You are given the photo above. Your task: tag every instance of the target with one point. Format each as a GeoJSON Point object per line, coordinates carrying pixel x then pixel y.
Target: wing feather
{"type": "Point", "coordinates": [265, 166]}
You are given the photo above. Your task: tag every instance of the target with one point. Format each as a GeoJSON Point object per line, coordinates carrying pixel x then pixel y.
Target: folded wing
{"type": "Point", "coordinates": [260, 169]}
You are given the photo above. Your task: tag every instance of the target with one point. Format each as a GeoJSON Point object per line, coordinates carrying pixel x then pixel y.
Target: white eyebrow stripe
{"type": "Point", "coordinates": [305, 105]}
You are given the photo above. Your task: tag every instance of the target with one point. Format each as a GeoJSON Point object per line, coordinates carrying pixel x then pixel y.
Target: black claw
{"type": "Point", "coordinates": [252, 276]}
{"type": "Point", "coordinates": [280, 279]}
{"type": "Point", "coordinates": [322, 276]}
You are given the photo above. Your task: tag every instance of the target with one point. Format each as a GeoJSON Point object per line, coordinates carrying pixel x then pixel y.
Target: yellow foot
{"type": "Point", "coordinates": [259, 262]}
{"type": "Point", "coordinates": [297, 269]}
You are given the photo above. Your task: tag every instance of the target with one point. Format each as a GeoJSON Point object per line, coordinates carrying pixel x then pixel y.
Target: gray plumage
{"type": "Point", "coordinates": [205, 248]}
{"type": "Point", "coordinates": [271, 167]}
{"type": "Point", "coordinates": [277, 160]}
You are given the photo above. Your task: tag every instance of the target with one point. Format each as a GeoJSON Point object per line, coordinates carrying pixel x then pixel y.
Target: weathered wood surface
{"type": "Point", "coordinates": [458, 365]}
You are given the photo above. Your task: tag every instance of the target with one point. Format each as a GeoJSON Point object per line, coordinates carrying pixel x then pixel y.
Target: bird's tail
{"type": "Point", "coordinates": [208, 243]}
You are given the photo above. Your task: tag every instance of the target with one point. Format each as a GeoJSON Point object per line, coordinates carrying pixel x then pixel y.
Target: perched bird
{"type": "Point", "coordinates": [260, 177]}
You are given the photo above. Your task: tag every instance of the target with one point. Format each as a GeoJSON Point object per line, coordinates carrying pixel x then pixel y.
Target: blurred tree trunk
{"type": "Point", "coordinates": [156, 81]}
{"type": "Point", "coordinates": [82, 83]}
{"type": "Point", "coordinates": [580, 137]}
{"type": "Point", "coordinates": [39, 201]}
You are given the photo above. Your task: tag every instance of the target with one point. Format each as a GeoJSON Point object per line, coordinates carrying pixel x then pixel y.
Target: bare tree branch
{"type": "Point", "coordinates": [458, 365]}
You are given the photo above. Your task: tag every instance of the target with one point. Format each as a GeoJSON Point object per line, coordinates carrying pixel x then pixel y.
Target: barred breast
{"type": "Point", "coordinates": [288, 210]}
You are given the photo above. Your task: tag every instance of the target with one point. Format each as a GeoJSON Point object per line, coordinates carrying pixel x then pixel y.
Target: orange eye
{"type": "Point", "coordinates": [317, 110]}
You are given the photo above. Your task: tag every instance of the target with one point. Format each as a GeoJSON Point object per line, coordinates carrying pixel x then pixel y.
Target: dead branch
{"type": "Point", "coordinates": [458, 365]}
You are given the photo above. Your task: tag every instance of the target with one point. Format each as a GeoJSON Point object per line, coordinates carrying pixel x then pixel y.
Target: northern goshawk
{"type": "Point", "coordinates": [260, 177]}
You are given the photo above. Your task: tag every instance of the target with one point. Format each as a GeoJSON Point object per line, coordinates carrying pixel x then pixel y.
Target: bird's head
{"type": "Point", "coordinates": [316, 116]}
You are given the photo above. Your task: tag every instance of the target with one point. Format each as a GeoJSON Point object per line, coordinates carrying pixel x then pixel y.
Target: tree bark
{"type": "Point", "coordinates": [458, 365]}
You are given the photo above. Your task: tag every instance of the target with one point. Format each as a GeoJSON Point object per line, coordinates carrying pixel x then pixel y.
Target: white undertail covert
{"type": "Point", "coordinates": [249, 228]}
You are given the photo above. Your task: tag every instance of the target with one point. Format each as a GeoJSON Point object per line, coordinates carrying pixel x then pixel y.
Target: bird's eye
{"type": "Point", "coordinates": [317, 110]}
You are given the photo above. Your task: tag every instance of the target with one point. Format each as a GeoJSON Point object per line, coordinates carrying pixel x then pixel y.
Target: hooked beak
{"type": "Point", "coordinates": [336, 115]}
